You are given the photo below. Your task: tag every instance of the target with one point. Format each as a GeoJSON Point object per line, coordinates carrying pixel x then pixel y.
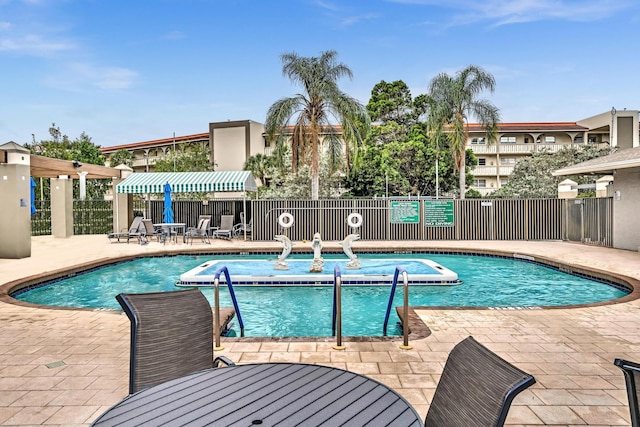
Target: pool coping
{"type": "Point", "coordinates": [418, 329]}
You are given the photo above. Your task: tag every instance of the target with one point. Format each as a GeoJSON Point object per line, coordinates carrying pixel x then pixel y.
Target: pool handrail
{"type": "Point", "coordinates": [337, 308]}
{"type": "Point", "coordinates": [399, 269]}
{"type": "Point", "coordinates": [227, 276]}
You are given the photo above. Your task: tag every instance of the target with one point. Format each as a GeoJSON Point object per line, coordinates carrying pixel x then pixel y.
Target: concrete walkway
{"type": "Point", "coordinates": [65, 367]}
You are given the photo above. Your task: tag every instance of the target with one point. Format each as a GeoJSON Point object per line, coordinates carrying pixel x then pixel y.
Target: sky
{"type": "Point", "coordinates": [126, 71]}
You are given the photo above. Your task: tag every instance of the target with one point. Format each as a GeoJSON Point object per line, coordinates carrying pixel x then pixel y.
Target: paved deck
{"type": "Point", "coordinates": [65, 367]}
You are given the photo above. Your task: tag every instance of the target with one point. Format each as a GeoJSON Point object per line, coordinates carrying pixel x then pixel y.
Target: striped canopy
{"type": "Point", "coordinates": [188, 182]}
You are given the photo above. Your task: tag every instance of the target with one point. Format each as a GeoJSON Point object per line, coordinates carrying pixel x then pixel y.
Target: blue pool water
{"type": "Point", "coordinates": [306, 311]}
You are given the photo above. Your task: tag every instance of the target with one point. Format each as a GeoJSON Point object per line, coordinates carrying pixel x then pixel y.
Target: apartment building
{"type": "Point", "coordinates": [516, 141]}
{"type": "Point", "coordinates": [231, 143]}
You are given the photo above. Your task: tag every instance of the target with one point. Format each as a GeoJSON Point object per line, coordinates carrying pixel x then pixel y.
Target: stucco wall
{"type": "Point", "coordinates": [626, 222]}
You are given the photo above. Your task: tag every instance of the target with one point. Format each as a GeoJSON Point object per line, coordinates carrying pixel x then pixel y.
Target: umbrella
{"type": "Point", "coordinates": [167, 215]}
{"type": "Point", "coordinates": [33, 196]}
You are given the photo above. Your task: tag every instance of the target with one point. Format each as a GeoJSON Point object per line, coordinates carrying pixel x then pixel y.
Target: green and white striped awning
{"type": "Point", "coordinates": [188, 182]}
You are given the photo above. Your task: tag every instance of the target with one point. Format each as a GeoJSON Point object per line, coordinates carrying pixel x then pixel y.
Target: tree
{"type": "Point", "coordinates": [193, 158]}
{"type": "Point", "coordinates": [122, 157]}
{"type": "Point", "coordinates": [532, 177]}
{"type": "Point", "coordinates": [260, 167]}
{"type": "Point", "coordinates": [81, 149]}
{"type": "Point", "coordinates": [312, 113]}
{"type": "Point", "coordinates": [391, 102]}
{"type": "Point", "coordinates": [457, 100]}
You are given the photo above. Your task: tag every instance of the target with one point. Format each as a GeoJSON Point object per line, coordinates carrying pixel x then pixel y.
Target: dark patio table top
{"type": "Point", "coordinates": [265, 394]}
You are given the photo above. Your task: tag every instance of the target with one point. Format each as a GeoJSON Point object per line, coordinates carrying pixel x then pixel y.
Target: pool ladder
{"type": "Point", "coordinates": [216, 298]}
{"type": "Point", "coordinates": [405, 316]}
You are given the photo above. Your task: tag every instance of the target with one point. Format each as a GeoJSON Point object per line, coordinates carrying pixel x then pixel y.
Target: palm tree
{"type": "Point", "coordinates": [260, 167]}
{"type": "Point", "coordinates": [457, 101]}
{"type": "Point", "coordinates": [314, 112]}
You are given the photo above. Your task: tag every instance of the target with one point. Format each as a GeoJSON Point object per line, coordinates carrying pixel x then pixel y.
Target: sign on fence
{"type": "Point", "coordinates": [405, 212]}
{"type": "Point", "coordinates": [438, 213]}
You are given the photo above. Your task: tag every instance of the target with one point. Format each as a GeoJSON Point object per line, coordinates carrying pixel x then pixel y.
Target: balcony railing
{"type": "Point", "coordinates": [492, 170]}
{"type": "Point", "coordinates": [519, 148]}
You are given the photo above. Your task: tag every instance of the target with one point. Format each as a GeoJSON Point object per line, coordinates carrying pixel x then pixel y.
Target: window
{"type": "Point", "coordinates": [507, 160]}
{"type": "Point", "coordinates": [526, 139]}
{"type": "Point", "coordinates": [507, 139]}
{"type": "Point", "coordinates": [593, 140]}
{"type": "Point", "coordinates": [482, 162]}
{"type": "Point", "coordinates": [480, 183]}
{"type": "Point", "coordinates": [550, 139]}
{"type": "Point", "coordinates": [578, 139]}
{"type": "Point", "coordinates": [503, 182]}
{"type": "Point", "coordinates": [478, 141]}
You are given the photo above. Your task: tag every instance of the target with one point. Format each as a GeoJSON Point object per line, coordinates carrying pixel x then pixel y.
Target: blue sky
{"type": "Point", "coordinates": [126, 71]}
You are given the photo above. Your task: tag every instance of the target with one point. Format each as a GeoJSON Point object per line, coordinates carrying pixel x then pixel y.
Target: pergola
{"type": "Point", "coordinates": [48, 167]}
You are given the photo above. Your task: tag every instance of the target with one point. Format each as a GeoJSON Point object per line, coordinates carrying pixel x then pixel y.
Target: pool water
{"type": "Point", "coordinates": [306, 311]}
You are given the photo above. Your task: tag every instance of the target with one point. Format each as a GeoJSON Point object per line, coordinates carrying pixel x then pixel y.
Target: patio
{"type": "Point", "coordinates": [65, 367]}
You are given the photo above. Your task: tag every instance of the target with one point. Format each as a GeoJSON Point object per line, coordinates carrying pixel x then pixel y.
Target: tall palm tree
{"type": "Point", "coordinates": [457, 101]}
{"type": "Point", "coordinates": [314, 112]}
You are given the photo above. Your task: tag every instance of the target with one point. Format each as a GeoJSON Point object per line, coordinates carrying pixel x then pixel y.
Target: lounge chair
{"type": "Point", "coordinates": [226, 227]}
{"type": "Point", "coordinates": [631, 372]}
{"type": "Point", "coordinates": [171, 336]}
{"type": "Point", "coordinates": [476, 388]}
{"type": "Point", "coordinates": [151, 231]}
{"type": "Point", "coordinates": [241, 228]}
{"type": "Point", "coordinates": [135, 230]}
{"type": "Point", "coordinates": [202, 231]}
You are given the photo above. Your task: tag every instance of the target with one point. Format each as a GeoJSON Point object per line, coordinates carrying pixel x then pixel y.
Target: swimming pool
{"type": "Point", "coordinates": [306, 311]}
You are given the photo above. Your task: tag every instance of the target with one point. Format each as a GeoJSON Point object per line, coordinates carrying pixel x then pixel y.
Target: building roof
{"type": "Point", "coordinates": [627, 158]}
{"type": "Point", "coordinates": [155, 143]}
{"type": "Point", "coordinates": [532, 127]}
{"type": "Point", "coordinates": [188, 182]}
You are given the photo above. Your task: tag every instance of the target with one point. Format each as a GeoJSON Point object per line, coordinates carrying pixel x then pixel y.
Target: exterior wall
{"type": "Point", "coordinates": [232, 143]}
{"type": "Point", "coordinates": [625, 209]}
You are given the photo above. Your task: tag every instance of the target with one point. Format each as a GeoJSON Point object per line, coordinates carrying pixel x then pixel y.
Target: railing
{"type": "Point", "coordinates": [216, 297]}
{"type": "Point", "coordinates": [405, 306]}
{"type": "Point", "coordinates": [336, 327]}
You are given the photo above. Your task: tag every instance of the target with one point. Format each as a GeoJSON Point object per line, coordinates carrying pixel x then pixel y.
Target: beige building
{"type": "Point", "coordinates": [231, 143]}
{"type": "Point", "coordinates": [516, 141]}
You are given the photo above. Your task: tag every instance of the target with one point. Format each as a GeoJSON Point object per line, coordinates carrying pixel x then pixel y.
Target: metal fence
{"type": "Point", "coordinates": [583, 220]}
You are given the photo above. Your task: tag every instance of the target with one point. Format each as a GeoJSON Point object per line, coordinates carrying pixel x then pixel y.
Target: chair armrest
{"type": "Point", "coordinates": [222, 359]}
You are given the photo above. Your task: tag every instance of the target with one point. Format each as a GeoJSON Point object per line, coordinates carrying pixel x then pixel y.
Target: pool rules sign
{"type": "Point", "coordinates": [438, 213]}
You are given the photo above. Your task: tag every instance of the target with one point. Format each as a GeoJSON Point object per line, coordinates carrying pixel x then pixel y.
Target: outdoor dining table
{"type": "Point", "coordinates": [265, 394]}
{"type": "Point", "coordinates": [179, 227]}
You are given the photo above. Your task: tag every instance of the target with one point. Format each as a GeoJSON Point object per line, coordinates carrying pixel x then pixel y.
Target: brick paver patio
{"type": "Point", "coordinates": [65, 367]}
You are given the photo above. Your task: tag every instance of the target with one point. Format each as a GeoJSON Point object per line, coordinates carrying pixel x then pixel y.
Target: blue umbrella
{"type": "Point", "coordinates": [167, 215]}
{"type": "Point", "coordinates": [33, 196]}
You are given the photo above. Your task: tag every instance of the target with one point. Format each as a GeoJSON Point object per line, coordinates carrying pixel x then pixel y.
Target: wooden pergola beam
{"type": "Point", "coordinates": [47, 167]}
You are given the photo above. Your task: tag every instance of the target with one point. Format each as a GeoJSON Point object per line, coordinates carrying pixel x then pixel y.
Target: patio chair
{"type": "Point", "coordinates": [133, 231]}
{"type": "Point", "coordinates": [226, 227]}
{"type": "Point", "coordinates": [202, 231]}
{"type": "Point", "coordinates": [151, 231]}
{"type": "Point", "coordinates": [476, 388]}
{"type": "Point", "coordinates": [631, 372]}
{"type": "Point", "coordinates": [242, 227]}
{"type": "Point", "coordinates": [171, 336]}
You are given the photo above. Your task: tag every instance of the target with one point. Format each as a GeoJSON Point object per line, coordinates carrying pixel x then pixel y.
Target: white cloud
{"type": "Point", "coordinates": [82, 77]}
{"type": "Point", "coordinates": [503, 12]}
{"type": "Point", "coordinates": [33, 45]}
{"type": "Point", "coordinates": [174, 35]}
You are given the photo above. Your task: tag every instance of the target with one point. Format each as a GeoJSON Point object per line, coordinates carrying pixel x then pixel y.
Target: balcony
{"type": "Point", "coordinates": [492, 170]}
{"type": "Point", "coordinates": [519, 148]}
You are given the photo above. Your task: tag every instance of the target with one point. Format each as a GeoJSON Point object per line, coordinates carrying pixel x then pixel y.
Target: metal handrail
{"type": "Point", "coordinates": [336, 328]}
{"type": "Point", "coordinates": [216, 297]}
{"type": "Point", "coordinates": [405, 317]}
